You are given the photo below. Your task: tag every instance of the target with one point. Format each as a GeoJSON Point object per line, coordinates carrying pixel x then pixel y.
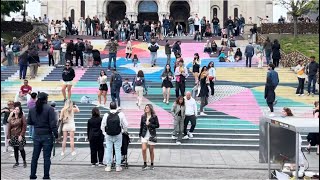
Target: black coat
{"type": "Point", "coordinates": [276, 51]}
{"type": "Point", "coordinates": [94, 129]}
{"type": "Point", "coordinates": [153, 124]}
{"type": "Point", "coordinates": [204, 90]}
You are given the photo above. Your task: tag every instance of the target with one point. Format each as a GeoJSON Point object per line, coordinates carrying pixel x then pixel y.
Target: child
{"type": "Point", "coordinates": [135, 60]}
{"type": "Point", "coordinates": [126, 86]}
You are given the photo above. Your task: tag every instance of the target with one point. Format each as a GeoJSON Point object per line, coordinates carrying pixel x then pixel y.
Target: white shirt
{"type": "Point", "coordinates": [300, 68]}
{"type": "Point", "coordinates": [191, 106]}
{"type": "Point", "coordinates": [8, 49]}
{"type": "Point", "coordinates": [63, 26]}
{"type": "Point", "coordinates": [197, 21]}
{"type": "Point", "coordinates": [102, 79]}
{"type": "Point", "coordinates": [64, 47]}
{"type": "Point", "coordinates": [212, 72]}
{"type": "Point", "coordinates": [123, 121]}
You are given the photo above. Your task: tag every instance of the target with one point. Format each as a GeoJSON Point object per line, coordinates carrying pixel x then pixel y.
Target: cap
{"type": "Point", "coordinates": [42, 95]}
{"type": "Point", "coordinates": [53, 104]}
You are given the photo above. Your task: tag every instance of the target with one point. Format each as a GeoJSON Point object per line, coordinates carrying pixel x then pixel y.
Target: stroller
{"type": "Point", "coordinates": [124, 151]}
{"type": "Point", "coordinates": [96, 57]}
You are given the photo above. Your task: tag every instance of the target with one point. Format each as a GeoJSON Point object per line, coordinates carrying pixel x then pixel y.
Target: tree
{"type": "Point", "coordinates": [297, 8]}
{"type": "Point", "coordinates": [10, 6]}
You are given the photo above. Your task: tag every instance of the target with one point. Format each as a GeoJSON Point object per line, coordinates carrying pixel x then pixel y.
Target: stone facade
{"type": "Point", "coordinates": [248, 8]}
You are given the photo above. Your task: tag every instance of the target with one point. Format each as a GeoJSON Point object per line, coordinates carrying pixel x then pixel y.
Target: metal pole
{"type": "Point", "coordinates": [268, 145]}
{"type": "Point", "coordinates": [24, 11]}
{"type": "Point", "coordinates": [297, 155]}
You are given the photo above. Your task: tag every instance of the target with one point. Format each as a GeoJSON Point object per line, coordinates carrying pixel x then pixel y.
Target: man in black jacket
{"type": "Point", "coordinates": [44, 120]}
{"type": "Point", "coordinates": [312, 70]}
{"type": "Point", "coordinates": [67, 76]}
{"type": "Point", "coordinates": [88, 25]}
{"type": "Point", "coordinates": [79, 47]}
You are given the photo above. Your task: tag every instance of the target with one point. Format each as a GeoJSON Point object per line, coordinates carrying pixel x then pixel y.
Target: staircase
{"type": "Point", "coordinates": [8, 71]}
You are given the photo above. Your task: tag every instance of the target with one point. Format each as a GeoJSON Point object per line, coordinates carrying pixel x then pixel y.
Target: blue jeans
{"type": "Point", "coordinates": [115, 94]}
{"type": "Point", "coordinates": [62, 58]}
{"type": "Point", "coordinates": [123, 35]}
{"type": "Point", "coordinates": [31, 131]}
{"type": "Point", "coordinates": [215, 30]}
{"type": "Point", "coordinates": [117, 142]}
{"type": "Point", "coordinates": [153, 58]}
{"type": "Point", "coordinates": [147, 35]}
{"type": "Point", "coordinates": [10, 58]}
{"type": "Point", "coordinates": [40, 142]}
{"type": "Point", "coordinates": [191, 29]}
{"type": "Point", "coordinates": [23, 71]}
{"type": "Point", "coordinates": [312, 79]}
{"type": "Point", "coordinates": [112, 57]}
{"type": "Point", "coordinates": [268, 56]}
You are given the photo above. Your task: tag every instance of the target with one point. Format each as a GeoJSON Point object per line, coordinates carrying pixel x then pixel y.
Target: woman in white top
{"type": "Point", "coordinates": [82, 26]}
{"type": "Point", "coordinates": [63, 51]}
{"type": "Point", "coordinates": [212, 76]}
{"type": "Point", "coordinates": [230, 55]}
{"type": "Point", "coordinates": [67, 117]}
{"type": "Point", "coordinates": [63, 32]}
{"type": "Point", "coordinates": [300, 70]}
{"type": "Point", "coordinates": [52, 30]}
{"type": "Point", "coordinates": [57, 27]}
{"type": "Point", "coordinates": [9, 54]}
{"type": "Point", "coordinates": [128, 50]}
{"type": "Point", "coordinates": [103, 88]}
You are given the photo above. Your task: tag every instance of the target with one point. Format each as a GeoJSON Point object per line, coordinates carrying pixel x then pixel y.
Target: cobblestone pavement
{"type": "Point", "coordinates": [87, 172]}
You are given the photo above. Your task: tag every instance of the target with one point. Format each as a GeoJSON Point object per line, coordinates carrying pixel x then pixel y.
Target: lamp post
{"type": "Point", "coordinates": [24, 10]}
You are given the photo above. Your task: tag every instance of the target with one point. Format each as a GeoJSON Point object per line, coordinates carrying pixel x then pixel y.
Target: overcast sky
{"type": "Point", "coordinates": [34, 8]}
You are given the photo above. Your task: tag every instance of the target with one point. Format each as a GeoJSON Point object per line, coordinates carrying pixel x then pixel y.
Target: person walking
{"type": "Point", "coordinates": [167, 76]}
{"type": "Point", "coordinates": [211, 76]}
{"type": "Point", "coordinates": [270, 86]}
{"type": "Point", "coordinates": [312, 70]}
{"type": "Point", "coordinates": [139, 85]}
{"type": "Point", "coordinates": [191, 115]}
{"type": "Point", "coordinates": [204, 90]}
{"type": "Point", "coordinates": [128, 50]}
{"type": "Point", "coordinates": [267, 46]}
{"type": "Point", "coordinates": [113, 125]}
{"type": "Point", "coordinates": [67, 118]}
{"type": "Point", "coordinates": [23, 63]}
{"type": "Point", "coordinates": [196, 67]}
{"type": "Point", "coordinates": [249, 52]}
{"type": "Point", "coordinates": [56, 43]}
{"type": "Point", "coordinates": [153, 48]}
{"type": "Point", "coordinates": [276, 56]}
{"type": "Point", "coordinates": [113, 48]}
{"type": "Point", "coordinates": [148, 134]}
{"type": "Point", "coordinates": [34, 63]}
{"type": "Point", "coordinates": [44, 121]}
{"type": "Point", "coordinates": [176, 49]}
{"type": "Point", "coordinates": [9, 54]}
{"type": "Point", "coordinates": [181, 73]}
{"type": "Point", "coordinates": [6, 111]}
{"type": "Point", "coordinates": [167, 50]}
{"type": "Point", "coordinates": [95, 137]}
{"type": "Point", "coordinates": [88, 25]}
{"type": "Point", "coordinates": [17, 126]}
{"type": "Point", "coordinates": [103, 87]}
{"type": "Point", "coordinates": [67, 76]}
{"type": "Point", "coordinates": [115, 84]}
{"type": "Point", "coordinates": [300, 70]}
{"type": "Point", "coordinates": [179, 112]}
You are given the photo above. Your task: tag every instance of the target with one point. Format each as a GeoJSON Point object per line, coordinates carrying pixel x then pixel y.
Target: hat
{"type": "Point", "coordinates": [42, 95]}
{"type": "Point", "coordinates": [53, 104]}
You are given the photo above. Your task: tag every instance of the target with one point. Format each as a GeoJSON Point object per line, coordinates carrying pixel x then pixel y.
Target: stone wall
{"type": "Point", "coordinates": [12, 26]}
{"type": "Point", "coordinates": [303, 28]}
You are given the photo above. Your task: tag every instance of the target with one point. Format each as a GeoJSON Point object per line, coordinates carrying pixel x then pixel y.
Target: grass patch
{"type": "Point", "coordinates": [7, 36]}
{"type": "Point", "coordinates": [306, 44]}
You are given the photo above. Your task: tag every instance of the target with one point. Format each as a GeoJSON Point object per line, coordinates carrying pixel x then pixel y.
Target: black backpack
{"type": "Point", "coordinates": [113, 127]}
{"type": "Point", "coordinates": [153, 48]}
{"type": "Point", "coordinates": [117, 81]}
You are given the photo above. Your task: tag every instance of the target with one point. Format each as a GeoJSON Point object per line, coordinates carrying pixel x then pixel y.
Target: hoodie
{"type": "Point", "coordinates": [68, 74]}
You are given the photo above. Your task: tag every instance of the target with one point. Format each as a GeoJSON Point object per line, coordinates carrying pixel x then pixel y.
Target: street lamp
{"type": "Point", "coordinates": [24, 10]}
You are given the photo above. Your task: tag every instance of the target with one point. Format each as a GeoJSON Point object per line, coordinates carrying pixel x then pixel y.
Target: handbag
{"type": "Point", "coordinates": [211, 78]}
{"type": "Point", "coordinates": [60, 127]}
{"type": "Point", "coordinates": [153, 139]}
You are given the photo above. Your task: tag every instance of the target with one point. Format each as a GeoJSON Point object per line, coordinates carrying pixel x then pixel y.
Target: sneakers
{"type": "Point", "coordinates": [173, 137]}
{"type": "Point", "coordinates": [62, 153]}
{"type": "Point", "coordinates": [190, 134]}
{"type": "Point", "coordinates": [93, 165]}
{"type": "Point", "coordinates": [108, 169]}
{"type": "Point", "coordinates": [178, 143]}
{"type": "Point", "coordinates": [73, 153]}
{"type": "Point", "coordinates": [118, 169]}
{"type": "Point", "coordinates": [5, 150]}
{"type": "Point", "coordinates": [185, 137]}
{"type": "Point", "coordinates": [15, 165]}
{"type": "Point", "coordinates": [202, 114]}
{"type": "Point", "coordinates": [308, 150]}
{"type": "Point", "coordinates": [298, 94]}
{"type": "Point", "coordinates": [301, 94]}
{"type": "Point", "coordinates": [167, 102]}
{"type": "Point", "coordinates": [24, 164]}
{"type": "Point", "coordinates": [312, 94]}
{"type": "Point", "coordinates": [164, 100]}
{"type": "Point", "coordinates": [101, 165]}
{"type": "Point", "coordinates": [151, 167]}
{"type": "Point", "coordinates": [144, 167]}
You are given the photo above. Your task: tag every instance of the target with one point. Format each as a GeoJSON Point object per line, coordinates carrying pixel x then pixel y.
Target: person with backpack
{"type": "Point", "coordinates": [153, 48]}
{"type": "Point", "coordinates": [113, 125]}
{"type": "Point", "coordinates": [139, 84]}
{"type": "Point", "coordinates": [95, 137]}
{"type": "Point", "coordinates": [271, 84]}
{"type": "Point", "coordinates": [181, 73]}
{"type": "Point", "coordinates": [16, 48]}
{"type": "Point", "coordinates": [126, 86]}
{"type": "Point", "coordinates": [113, 48]}
{"type": "Point", "coordinates": [115, 84]}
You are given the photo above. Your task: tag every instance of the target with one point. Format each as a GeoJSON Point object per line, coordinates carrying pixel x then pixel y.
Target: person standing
{"type": "Point", "coordinates": [300, 70]}
{"type": "Point", "coordinates": [95, 137]}
{"type": "Point", "coordinates": [6, 111]}
{"type": "Point", "coordinates": [204, 90]}
{"type": "Point", "coordinates": [166, 26]}
{"type": "Point", "coordinates": [181, 73]}
{"type": "Point", "coordinates": [103, 87]}
{"type": "Point", "coordinates": [67, 118]}
{"type": "Point", "coordinates": [196, 67]}
{"type": "Point", "coordinates": [113, 48]}
{"type": "Point", "coordinates": [176, 49]}
{"type": "Point", "coordinates": [153, 48]}
{"type": "Point", "coordinates": [267, 46]}
{"type": "Point", "coordinates": [139, 85]}
{"type": "Point", "coordinates": [31, 104]}
{"type": "Point", "coordinates": [88, 26]}
{"type": "Point", "coordinates": [179, 112]}
{"type": "Point", "coordinates": [63, 52]}
{"type": "Point", "coordinates": [211, 76]}
{"type": "Point", "coordinates": [44, 120]}
{"type": "Point", "coordinates": [215, 22]}
{"type": "Point", "coordinates": [276, 56]}
{"type": "Point", "coordinates": [191, 115]}
{"type": "Point", "coordinates": [56, 50]}
{"type": "Point", "coordinates": [115, 84]}
{"type": "Point", "coordinates": [167, 50]}
{"type": "Point", "coordinates": [128, 50]}
{"type": "Point", "coordinates": [70, 52]}
{"type": "Point", "coordinates": [196, 23]}
{"type": "Point", "coordinates": [82, 25]}
{"type": "Point", "coordinates": [34, 63]}
{"type": "Point", "coordinates": [113, 125]}
{"type": "Point", "coordinates": [191, 25]}
{"type": "Point", "coordinates": [249, 52]}
{"type": "Point", "coordinates": [270, 86]}
{"type": "Point", "coordinates": [312, 70]}
{"type": "Point", "coordinates": [167, 77]}
{"type": "Point", "coordinates": [9, 53]}
{"type": "Point", "coordinates": [79, 47]}
{"type": "Point", "coordinates": [148, 125]}
{"type": "Point", "coordinates": [23, 63]}
{"type": "Point", "coordinates": [67, 76]}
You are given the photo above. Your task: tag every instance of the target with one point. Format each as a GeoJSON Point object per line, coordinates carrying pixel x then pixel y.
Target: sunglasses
{"type": "Point", "coordinates": [67, 65]}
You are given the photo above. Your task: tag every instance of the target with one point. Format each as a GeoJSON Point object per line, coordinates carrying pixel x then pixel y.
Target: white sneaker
{"type": "Point", "coordinates": [167, 102]}
{"type": "Point", "coordinates": [164, 100]}
{"type": "Point", "coordinates": [11, 155]}
{"type": "Point", "coordinates": [73, 153]}
{"type": "Point", "coordinates": [190, 135]}
{"type": "Point", "coordinates": [173, 137]}
{"type": "Point", "coordinates": [101, 165]}
{"type": "Point", "coordinates": [178, 143]}
{"type": "Point", "coordinates": [301, 94]}
{"type": "Point", "coordinates": [298, 94]}
{"type": "Point", "coordinates": [93, 165]}
{"type": "Point", "coordinates": [119, 168]}
{"type": "Point", "coordinates": [62, 153]}
{"type": "Point", "coordinates": [185, 137]}
{"type": "Point", "coordinates": [98, 105]}
{"type": "Point", "coordinates": [202, 114]}
{"type": "Point", "coordinates": [271, 115]}
{"type": "Point", "coordinates": [108, 169]}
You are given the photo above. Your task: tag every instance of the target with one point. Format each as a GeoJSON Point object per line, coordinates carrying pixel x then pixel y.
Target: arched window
{"type": "Point", "coordinates": [215, 12]}
{"type": "Point", "coordinates": [235, 12]}
{"type": "Point", "coordinates": [72, 15]}
{"type": "Point", "coordinates": [83, 9]}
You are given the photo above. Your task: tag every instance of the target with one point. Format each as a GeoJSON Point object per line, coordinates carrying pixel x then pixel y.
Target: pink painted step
{"type": "Point", "coordinates": [79, 73]}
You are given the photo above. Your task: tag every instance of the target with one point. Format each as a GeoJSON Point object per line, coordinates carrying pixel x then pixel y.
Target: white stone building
{"type": "Point", "coordinates": [139, 10]}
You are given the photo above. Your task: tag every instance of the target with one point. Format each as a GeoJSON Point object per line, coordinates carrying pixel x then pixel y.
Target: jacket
{"type": "Point", "coordinates": [176, 48]}
{"type": "Point", "coordinates": [68, 74]}
{"type": "Point", "coordinates": [312, 68]}
{"type": "Point", "coordinates": [16, 126]}
{"type": "Point", "coordinates": [167, 49]}
{"type": "Point", "coordinates": [94, 128]}
{"type": "Point", "coordinates": [80, 46]}
{"type": "Point", "coordinates": [6, 115]}
{"type": "Point", "coordinates": [153, 124]}
{"type": "Point", "coordinates": [276, 51]}
{"type": "Point", "coordinates": [272, 78]}
{"type": "Point", "coordinates": [112, 46]}
{"type": "Point", "coordinates": [249, 52]}
{"type": "Point", "coordinates": [44, 123]}
{"type": "Point", "coordinates": [176, 109]}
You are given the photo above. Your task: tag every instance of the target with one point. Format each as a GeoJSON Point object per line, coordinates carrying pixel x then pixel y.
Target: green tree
{"type": "Point", "coordinates": [10, 6]}
{"type": "Point", "coordinates": [297, 8]}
